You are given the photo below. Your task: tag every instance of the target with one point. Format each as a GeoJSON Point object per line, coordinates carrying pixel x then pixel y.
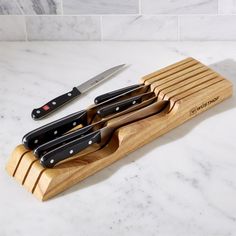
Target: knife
{"type": "Point", "coordinates": [114, 93]}
{"type": "Point", "coordinates": [101, 136]}
{"type": "Point", "coordinates": [54, 129]}
{"type": "Point", "coordinates": [48, 146]}
{"type": "Point", "coordinates": [123, 105]}
{"type": "Point", "coordinates": [60, 101]}
{"type": "Point", "coordinates": [167, 71]}
{"type": "Point", "coordinates": [48, 132]}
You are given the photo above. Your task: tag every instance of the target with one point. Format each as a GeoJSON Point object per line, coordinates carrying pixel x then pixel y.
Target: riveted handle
{"type": "Point", "coordinates": [107, 96]}
{"type": "Point", "coordinates": [55, 143]}
{"type": "Point", "coordinates": [54, 129]}
{"type": "Point", "coordinates": [119, 106]}
{"type": "Point", "coordinates": [66, 151]}
{"type": "Point", "coordinates": [55, 104]}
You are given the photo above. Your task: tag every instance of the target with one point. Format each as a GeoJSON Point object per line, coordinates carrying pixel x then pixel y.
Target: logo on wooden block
{"type": "Point", "coordinates": [196, 109]}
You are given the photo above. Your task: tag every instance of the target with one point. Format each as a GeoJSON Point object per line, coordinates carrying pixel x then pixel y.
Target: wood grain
{"type": "Point", "coordinates": [189, 86]}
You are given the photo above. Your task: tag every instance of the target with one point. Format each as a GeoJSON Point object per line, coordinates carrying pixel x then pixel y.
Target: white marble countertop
{"type": "Point", "coordinates": [183, 183]}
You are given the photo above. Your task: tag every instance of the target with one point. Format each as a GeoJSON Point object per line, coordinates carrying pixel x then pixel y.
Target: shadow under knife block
{"type": "Point", "coordinates": [191, 88]}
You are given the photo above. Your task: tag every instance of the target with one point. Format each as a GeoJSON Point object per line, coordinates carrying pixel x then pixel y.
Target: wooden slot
{"type": "Point", "coordinates": [174, 76]}
{"type": "Point", "coordinates": [177, 82]}
{"type": "Point", "coordinates": [32, 178]}
{"type": "Point", "coordinates": [189, 86]}
{"type": "Point", "coordinates": [178, 85]}
{"type": "Point", "coordinates": [175, 72]}
{"type": "Point", "coordinates": [24, 167]}
{"type": "Point", "coordinates": [161, 71]}
{"type": "Point", "coordinates": [15, 160]}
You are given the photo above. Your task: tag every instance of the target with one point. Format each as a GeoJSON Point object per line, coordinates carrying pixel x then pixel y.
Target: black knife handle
{"type": "Point", "coordinates": [119, 106]}
{"type": "Point", "coordinates": [107, 96]}
{"type": "Point", "coordinates": [63, 152]}
{"type": "Point", "coordinates": [55, 143]}
{"type": "Point", "coordinates": [54, 104]}
{"type": "Point", "coordinates": [54, 129]}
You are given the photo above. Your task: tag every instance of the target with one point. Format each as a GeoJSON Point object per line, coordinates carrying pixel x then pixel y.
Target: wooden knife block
{"type": "Point", "coordinates": [191, 88]}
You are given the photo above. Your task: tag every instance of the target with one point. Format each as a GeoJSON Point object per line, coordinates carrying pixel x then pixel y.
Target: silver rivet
{"type": "Point", "coordinates": [98, 112]}
{"type": "Point", "coordinates": [90, 142]}
{"type": "Point", "coordinates": [96, 101]}
{"type": "Point", "coordinates": [51, 161]}
{"type": "Point", "coordinates": [38, 111]}
{"type": "Point", "coordinates": [134, 102]}
{"type": "Point", "coordinates": [71, 151]}
{"type": "Point", "coordinates": [74, 123]}
{"type": "Point", "coordinates": [54, 103]}
{"type": "Point", "coordinates": [36, 141]}
{"type": "Point", "coordinates": [117, 108]}
{"type": "Point", "coordinates": [69, 94]}
{"type": "Point", "coordinates": [55, 132]}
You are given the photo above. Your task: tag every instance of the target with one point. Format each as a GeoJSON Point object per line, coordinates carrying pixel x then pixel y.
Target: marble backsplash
{"type": "Point", "coordinates": [117, 20]}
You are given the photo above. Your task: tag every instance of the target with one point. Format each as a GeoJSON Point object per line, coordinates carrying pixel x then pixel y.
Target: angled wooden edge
{"type": "Point", "coordinates": [129, 138]}
{"type": "Point", "coordinates": [15, 159]}
{"type": "Point", "coordinates": [192, 91]}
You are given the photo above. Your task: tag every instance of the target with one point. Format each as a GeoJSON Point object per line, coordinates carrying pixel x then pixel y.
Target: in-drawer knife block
{"type": "Point", "coordinates": [191, 88]}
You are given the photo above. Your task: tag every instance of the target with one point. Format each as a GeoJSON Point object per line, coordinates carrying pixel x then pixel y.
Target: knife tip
{"type": "Point", "coordinates": [121, 65]}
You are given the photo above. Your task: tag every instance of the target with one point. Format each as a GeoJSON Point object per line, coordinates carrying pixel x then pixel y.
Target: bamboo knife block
{"type": "Point", "coordinates": [191, 88]}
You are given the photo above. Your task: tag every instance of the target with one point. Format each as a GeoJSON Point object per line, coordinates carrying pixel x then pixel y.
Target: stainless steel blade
{"type": "Point", "coordinates": [131, 117]}
{"type": "Point", "coordinates": [99, 78]}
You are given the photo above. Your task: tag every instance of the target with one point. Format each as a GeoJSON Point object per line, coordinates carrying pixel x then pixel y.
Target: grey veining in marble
{"type": "Point", "coordinates": [181, 184]}
{"type": "Point", "coordinates": [40, 7]}
{"type": "Point", "coordinates": [63, 28]}
{"type": "Point", "coordinates": [101, 6]}
{"type": "Point", "coordinates": [207, 27]}
{"type": "Point", "coordinates": [179, 6]}
{"type": "Point", "coordinates": [12, 28]}
{"type": "Point", "coordinates": [129, 19]}
{"type": "Point", "coordinates": [140, 28]}
{"type": "Point", "coordinates": [9, 7]}
{"type": "Point", "coordinates": [30, 7]}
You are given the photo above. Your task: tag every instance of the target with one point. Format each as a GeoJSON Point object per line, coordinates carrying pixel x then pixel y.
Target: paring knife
{"type": "Point", "coordinates": [60, 101]}
{"type": "Point", "coordinates": [59, 127]}
{"type": "Point", "coordinates": [140, 102]}
{"type": "Point", "coordinates": [100, 136]}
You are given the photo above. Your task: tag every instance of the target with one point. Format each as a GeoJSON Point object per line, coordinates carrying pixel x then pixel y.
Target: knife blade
{"type": "Point", "coordinates": [123, 105]}
{"type": "Point", "coordinates": [48, 132]}
{"type": "Point", "coordinates": [122, 93]}
{"type": "Point", "coordinates": [100, 136]}
{"type": "Point", "coordinates": [147, 80]}
{"type": "Point", "coordinates": [61, 100]}
{"type": "Point", "coordinates": [52, 144]}
{"type": "Point", "coordinates": [54, 129]}
{"type": "Point", "coordinates": [114, 93]}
